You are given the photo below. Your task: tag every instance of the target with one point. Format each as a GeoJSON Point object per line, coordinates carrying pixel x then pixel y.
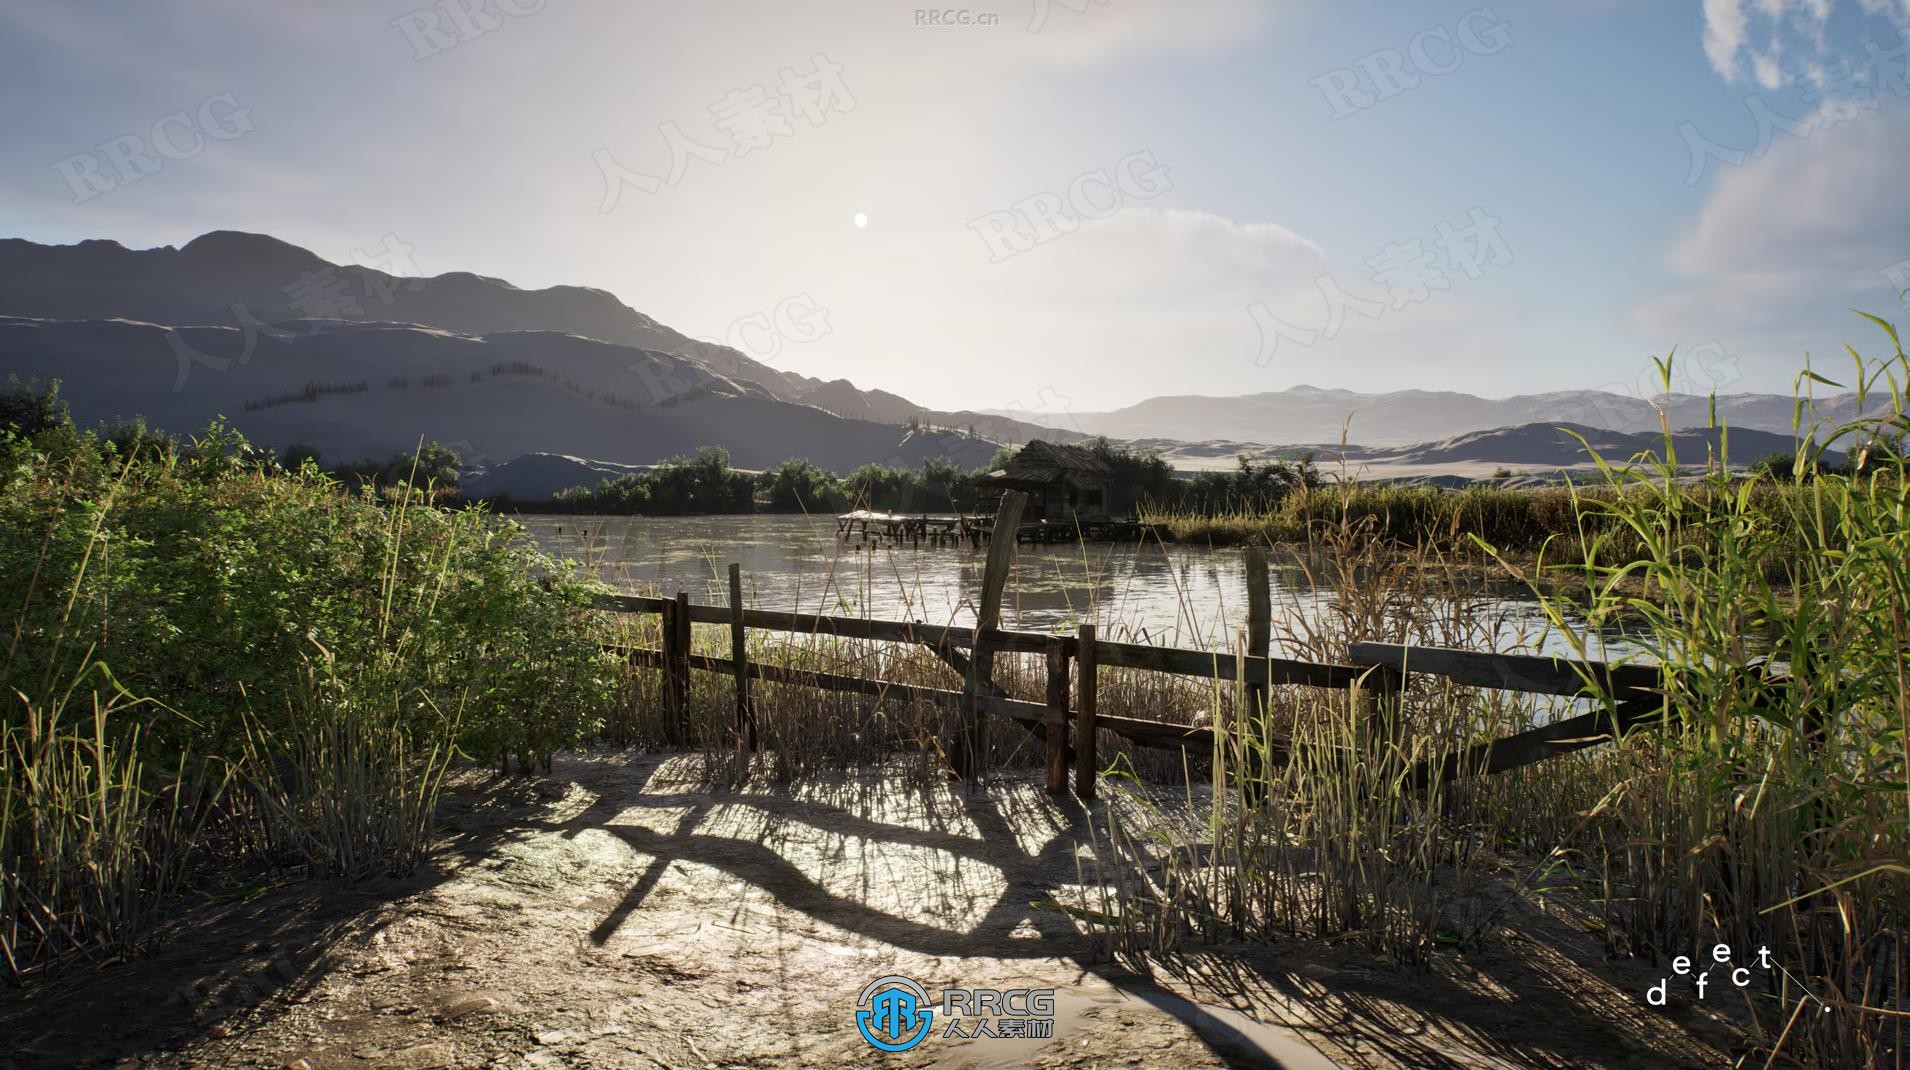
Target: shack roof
{"type": "Point", "coordinates": [1049, 462]}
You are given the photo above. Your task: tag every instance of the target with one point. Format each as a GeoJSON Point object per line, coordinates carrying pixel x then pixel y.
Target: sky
{"type": "Point", "coordinates": [1041, 205]}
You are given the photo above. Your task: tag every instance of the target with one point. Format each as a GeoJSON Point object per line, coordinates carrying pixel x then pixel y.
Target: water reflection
{"type": "Point", "coordinates": [1180, 595]}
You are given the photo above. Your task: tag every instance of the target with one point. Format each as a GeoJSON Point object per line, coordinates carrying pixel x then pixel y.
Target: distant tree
{"type": "Point", "coordinates": [32, 417]}
{"type": "Point", "coordinates": [132, 437]}
{"type": "Point", "coordinates": [797, 485]}
{"type": "Point", "coordinates": [29, 408]}
{"type": "Point", "coordinates": [294, 456]}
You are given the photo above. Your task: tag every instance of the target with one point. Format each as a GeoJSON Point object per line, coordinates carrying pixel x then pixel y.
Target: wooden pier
{"type": "Point", "coordinates": [977, 529]}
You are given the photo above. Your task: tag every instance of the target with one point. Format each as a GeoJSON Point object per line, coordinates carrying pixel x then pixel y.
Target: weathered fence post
{"type": "Point", "coordinates": [739, 657]}
{"type": "Point", "coordinates": [679, 668]}
{"type": "Point", "coordinates": [1086, 768]}
{"type": "Point", "coordinates": [971, 742]}
{"type": "Point", "coordinates": [1253, 710]}
{"type": "Point", "coordinates": [666, 629]}
{"type": "Point", "coordinates": [1056, 721]}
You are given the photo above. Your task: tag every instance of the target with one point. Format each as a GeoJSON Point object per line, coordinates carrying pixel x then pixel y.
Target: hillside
{"type": "Point", "coordinates": [373, 389]}
{"type": "Point", "coordinates": [232, 280]}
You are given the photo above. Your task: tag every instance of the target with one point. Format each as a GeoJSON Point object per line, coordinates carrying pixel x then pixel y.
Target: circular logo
{"type": "Point", "coordinates": [893, 1013]}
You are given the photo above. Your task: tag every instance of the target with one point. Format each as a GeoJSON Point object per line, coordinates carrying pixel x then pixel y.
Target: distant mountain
{"type": "Point", "coordinates": [373, 389]}
{"type": "Point", "coordinates": [209, 279]}
{"type": "Point", "coordinates": [844, 398]}
{"type": "Point", "coordinates": [1534, 451]}
{"type": "Point", "coordinates": [1310, 414]}
{"type": "Point", "coordinates": [258, 289]}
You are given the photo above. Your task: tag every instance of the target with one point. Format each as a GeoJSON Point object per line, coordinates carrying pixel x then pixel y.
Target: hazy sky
{"type": "Point", "coordinates": [1067, 203]}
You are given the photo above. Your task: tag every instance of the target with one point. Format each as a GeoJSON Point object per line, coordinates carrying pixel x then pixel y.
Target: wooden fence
{"type": "Point", "coordinates": [1378, 673]}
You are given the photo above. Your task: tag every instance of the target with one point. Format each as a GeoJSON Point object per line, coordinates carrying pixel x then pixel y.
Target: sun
{"type": "Point", "coordinates": [861, 220]}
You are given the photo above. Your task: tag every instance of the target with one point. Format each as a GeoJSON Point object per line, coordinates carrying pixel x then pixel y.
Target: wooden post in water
{"type": "Point", "coordinates": [1056, 722]}
{"type": "Point", "coordinates": [971, 742]}
{"type": "Point", "coordinates": [1253, 706]}
{"type": "Point", "coordinates": [1259, 625]}
{"type": "Point", "coordinates": [739, 656]}
{"type": "Point", "coordinates": [680, 669]}
{"type": "Point", "coordinates": [1085, 767]}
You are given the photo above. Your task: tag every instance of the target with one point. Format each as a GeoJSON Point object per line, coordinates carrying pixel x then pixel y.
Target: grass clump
{"type": "Point", "coordinates": [1768, 807]}
{"type": "Point", "coordinates": [190, 616]}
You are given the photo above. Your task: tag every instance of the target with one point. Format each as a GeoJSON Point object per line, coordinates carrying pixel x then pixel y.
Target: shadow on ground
{"type": "Point", "coordinates": [624, 912]}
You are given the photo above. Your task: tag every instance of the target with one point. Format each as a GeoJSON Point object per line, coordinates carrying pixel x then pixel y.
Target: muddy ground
{"type": "Point", "coordinates": [623, 913]}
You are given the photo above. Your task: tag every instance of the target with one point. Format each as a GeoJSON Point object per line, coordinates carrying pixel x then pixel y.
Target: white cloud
{"type": "Point", "coordinates": [1171, 256]}
{"type": "Point", "coordinates": [1771, 42]}
{"type": "Point", "coordinates": [1786, 244]}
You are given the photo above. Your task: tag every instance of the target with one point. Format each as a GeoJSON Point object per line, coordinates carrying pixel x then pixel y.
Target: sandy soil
{"type": "Point", "coordinates": [621, 913]}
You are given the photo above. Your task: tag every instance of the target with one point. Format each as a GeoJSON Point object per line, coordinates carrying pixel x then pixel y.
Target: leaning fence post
{"type": "Point", "coordinates": [1056, 720]}
{"type": "Point", "coordinates": [1085, 769]}
{"type": "Point", "coordinates": [680, 669]}
{"type": "Point", "coordinates": [739, 657]}
{"type": "Point", "coordinates": [971, 742]}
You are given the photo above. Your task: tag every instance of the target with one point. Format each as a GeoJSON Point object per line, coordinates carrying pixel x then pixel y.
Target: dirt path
{"type": "Point", "coordinates": [618, 914]}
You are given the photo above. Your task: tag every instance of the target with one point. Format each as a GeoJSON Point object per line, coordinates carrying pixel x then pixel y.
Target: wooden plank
{"type": "Point", "coordinates": [888, 631]}
{"type": "Point", "coordinates": [1156, 733]}
{"type": "Point", "coordinates": [638, 655]}
{"type": "Point", "coordinates": [628, 603]}
{"type": "Point", "coordinates": [1510, 672]}
{"type": "Point", "coordinates": [739, 653]}
{"type": "Point", "coordinates": [1086, 767]}
{"type": "Point", "coordinates": [990, 690]}
{"type": "Point", "coordinates": [1056, 724]}
{"type": "Point", "coordinates": [972, 744]}
{"type": "Point", "coordinates": [1545, 741]}
{"type": "Point", "coordinates": [1220, 666]}
{"type": "Point", "coordinates": [1138, 731]}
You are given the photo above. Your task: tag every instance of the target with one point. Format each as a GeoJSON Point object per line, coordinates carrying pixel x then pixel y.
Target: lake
{"type": "Point", "coordinates": [1173, 594]}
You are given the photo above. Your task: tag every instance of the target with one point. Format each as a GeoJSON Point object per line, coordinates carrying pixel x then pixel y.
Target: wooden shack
{"type": "Point", "coordinates": [1064, 484]}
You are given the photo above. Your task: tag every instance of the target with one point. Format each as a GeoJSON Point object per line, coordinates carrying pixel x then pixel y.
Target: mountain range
{"type": "Point", "coordinates": [1308, 414]}
{"type": "Point", "coordinates": [357, 362]}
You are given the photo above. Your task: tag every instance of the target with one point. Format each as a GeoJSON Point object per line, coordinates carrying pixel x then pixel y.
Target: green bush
{"type": "Point", "coordinates": [333, 649]}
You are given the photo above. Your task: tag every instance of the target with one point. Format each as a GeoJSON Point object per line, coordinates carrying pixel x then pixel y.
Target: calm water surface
{"type": "Point", "coordinates": [1177, 594]}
